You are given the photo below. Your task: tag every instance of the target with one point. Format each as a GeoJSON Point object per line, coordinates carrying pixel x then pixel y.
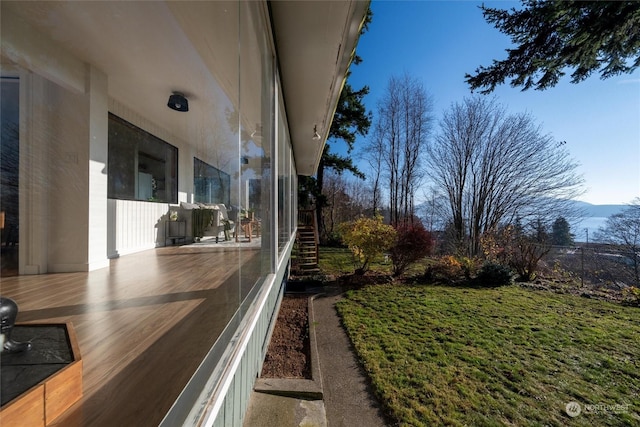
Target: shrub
{"type": "Point", "coordinates": [469, 267]}
{"type": "Point", "coordinates": [525, 255]}
{"type": "Point", "coordinates": [509, 245]}
{"type": "Point", "coordinates": [367, 238]}
{"type": "Point", "coordinates": [494, 275]}
{"type": "Point", "coordinates": [413, 242]}
{"type": "Point", "coordinates": [448, 269]}
{"type": "Point", "coordinates": [334, 240]}
{"type": "Point", "coordinates": [633, 294]}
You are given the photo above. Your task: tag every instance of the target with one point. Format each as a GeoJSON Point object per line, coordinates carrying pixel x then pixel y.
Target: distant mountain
{"type": "Point", "coordinates": [599, 211]}
{"type": "Point", "coordinates": [586, 210]}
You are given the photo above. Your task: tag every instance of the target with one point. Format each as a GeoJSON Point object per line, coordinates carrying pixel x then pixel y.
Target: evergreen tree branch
{"type": "Point", "coordinates": [555, 37]}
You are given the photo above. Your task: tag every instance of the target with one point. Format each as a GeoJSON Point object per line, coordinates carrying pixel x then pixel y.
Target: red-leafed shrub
{"type": "Point", "coordinates": [413, 242]}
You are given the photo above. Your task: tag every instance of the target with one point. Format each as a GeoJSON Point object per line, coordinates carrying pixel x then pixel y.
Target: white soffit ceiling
{"type": "Point", "coordinates": [315, 43]}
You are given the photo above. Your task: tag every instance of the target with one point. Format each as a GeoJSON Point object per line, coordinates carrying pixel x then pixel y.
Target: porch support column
{"type": "Point", "coordinates": [34, 173]}
{"type": "Point", "coordinates": [98, 151]}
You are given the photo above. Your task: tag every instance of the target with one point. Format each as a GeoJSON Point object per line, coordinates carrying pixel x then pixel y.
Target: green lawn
{"type": "Point", "coordinates": [335, 261]}
{"type": "Point", "coordinates": [441, 355]}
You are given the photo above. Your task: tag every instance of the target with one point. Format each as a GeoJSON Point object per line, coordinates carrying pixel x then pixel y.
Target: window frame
{"type": "Point", "coordinates": [119, 163]}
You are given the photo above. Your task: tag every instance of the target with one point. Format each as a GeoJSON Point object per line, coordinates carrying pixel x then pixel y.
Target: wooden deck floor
{"type": "Point", "coordinates": [143, 325]}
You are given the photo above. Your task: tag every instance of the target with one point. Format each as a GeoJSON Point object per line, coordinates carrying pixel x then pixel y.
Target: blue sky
{"type": "Point", "coordinates": [438, 42]}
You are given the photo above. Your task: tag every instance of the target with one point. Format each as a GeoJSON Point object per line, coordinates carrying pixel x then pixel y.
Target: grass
{"type": "Point", "coordinates": [335, 261]}
{"type": "Point", "coordinates": [440, 355]}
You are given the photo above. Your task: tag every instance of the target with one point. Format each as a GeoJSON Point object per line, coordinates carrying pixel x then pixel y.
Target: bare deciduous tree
{"type": "Point", "coordinates": [494, 167]}
{"type": "Point", "coordinates": [623, 230]}
{"type": "Point", "coordinates": [346, 199]}
{"type": "Point", "coordinates": [372, 154]}
{"type": "Point", "coordinates": [401, 134]}
{"type": "Point", "coordinates": [434, 210]}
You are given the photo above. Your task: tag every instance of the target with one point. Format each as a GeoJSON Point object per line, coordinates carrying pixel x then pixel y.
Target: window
{"type": "Point", "coordinates": [284, 182]}
{"type": "Point", "coordinates": [9, 174]}
{"type": "Point", "coordinates": [210, 184]}
{"type": "Point", "coordinates": [256, 114]}
{"type": "Point", "coordinates": [141, 166]}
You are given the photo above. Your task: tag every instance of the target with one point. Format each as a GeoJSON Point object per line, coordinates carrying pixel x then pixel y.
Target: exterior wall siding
{"type": "Point", "coordinates": [237, 398]}
{"type": "Point", "coordinates": [134, 226]}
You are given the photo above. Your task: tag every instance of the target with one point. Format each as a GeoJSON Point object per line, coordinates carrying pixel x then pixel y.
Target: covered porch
{"type": "Point", "coordinates": [100, 159]}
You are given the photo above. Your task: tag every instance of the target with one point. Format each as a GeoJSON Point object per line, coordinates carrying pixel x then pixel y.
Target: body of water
{"type": "Point", "coordinates": [592, 224]}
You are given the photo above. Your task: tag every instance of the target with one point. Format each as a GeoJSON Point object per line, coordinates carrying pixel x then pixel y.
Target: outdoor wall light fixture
{"type": "Point", "coordinates": [178, 102]}
{"type": "Point", "coordinates": [316, 135]}
{"type": "Point", "coordinates": [257, 133]}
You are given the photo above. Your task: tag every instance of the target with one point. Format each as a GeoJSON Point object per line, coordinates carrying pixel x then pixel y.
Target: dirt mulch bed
{"type": "Point", "coordinates": [289, 354]}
